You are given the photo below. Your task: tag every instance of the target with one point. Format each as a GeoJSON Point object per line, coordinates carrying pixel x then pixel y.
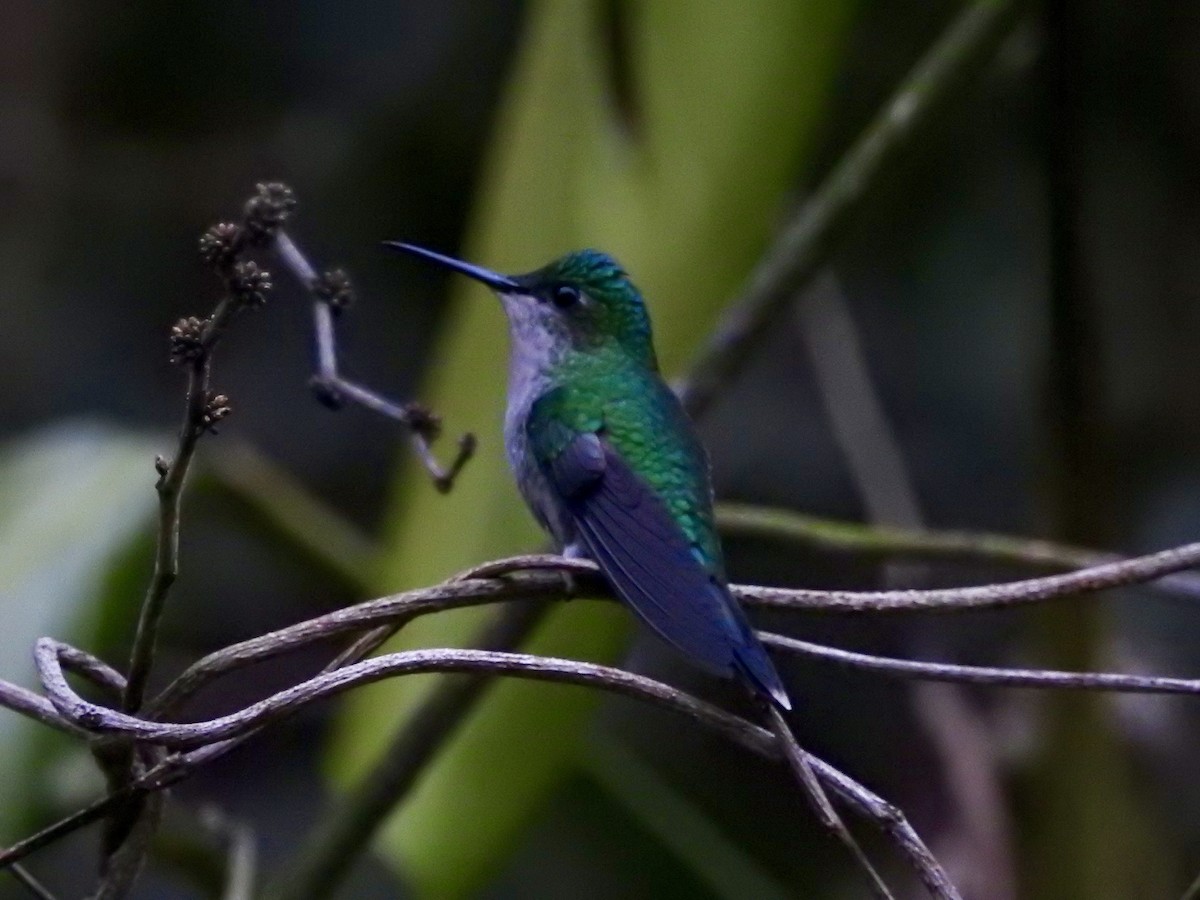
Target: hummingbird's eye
{"type": "Point", "coordinates": [565, 296]}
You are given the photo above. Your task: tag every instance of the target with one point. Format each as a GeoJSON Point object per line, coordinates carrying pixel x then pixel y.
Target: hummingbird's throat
{"type": "Point", "coordinates": [540, 339]}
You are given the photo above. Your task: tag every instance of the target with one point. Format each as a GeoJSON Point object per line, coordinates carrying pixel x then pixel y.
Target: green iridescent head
{"type": "Point", "coordinates": [583, 301]}
{"type": "Point", "coordinates": [593, 295]}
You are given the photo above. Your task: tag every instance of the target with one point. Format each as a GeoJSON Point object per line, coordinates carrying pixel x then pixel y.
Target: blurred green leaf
{"type": "Point", "coordinates": [290, 509]}
{"type": "Point", "coordinates": [727, 102]}
{"type": "Point", "coordinates": [74, 498]}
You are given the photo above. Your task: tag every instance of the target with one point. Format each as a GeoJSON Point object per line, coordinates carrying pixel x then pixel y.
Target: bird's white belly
{"type": "Point", "coordinates": [538, 494]}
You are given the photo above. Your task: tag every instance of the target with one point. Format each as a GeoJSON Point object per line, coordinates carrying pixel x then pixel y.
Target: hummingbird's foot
{"type": "Point", "coordinates": [573, 550]}
{"type": "Point", "coordinates": [498, 568]}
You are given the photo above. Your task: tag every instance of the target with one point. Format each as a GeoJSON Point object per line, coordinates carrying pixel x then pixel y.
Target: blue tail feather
{"type": "Point", "coordinates": [752, 661]}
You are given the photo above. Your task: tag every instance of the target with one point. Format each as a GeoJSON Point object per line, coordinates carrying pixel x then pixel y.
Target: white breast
{"type": "Point", "coordinates": [534, 351]}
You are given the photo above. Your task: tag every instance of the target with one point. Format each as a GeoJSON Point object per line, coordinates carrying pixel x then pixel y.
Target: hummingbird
{"type": "Point", "coordinates": [608, 461]}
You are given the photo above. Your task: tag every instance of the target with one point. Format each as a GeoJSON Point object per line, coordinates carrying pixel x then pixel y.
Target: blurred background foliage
{"type": "Point", "coordinates": [676, 135]}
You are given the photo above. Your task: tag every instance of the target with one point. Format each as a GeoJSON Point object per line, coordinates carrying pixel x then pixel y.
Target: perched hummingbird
{"type": "Point", "coordinates": [607, 459]}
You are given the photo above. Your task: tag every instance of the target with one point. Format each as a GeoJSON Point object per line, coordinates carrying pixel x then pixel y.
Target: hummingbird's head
{"type": "Point", "coordinates": [581, 302]}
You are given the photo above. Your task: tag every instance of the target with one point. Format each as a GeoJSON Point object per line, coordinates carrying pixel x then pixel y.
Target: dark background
{"type": "Point", "coordinates": [129, 128]}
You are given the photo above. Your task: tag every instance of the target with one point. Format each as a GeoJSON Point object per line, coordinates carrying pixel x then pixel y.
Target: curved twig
{"type": "Point", "coordinates": [465, 590]}
{"type": "Point", "coordinates": [103, 720]}
{"type": "Point", "coordinates": [96, 718]}
{"type": "Point", "coordinates": [328, 853]}
{"type": "Point", "coordinates": [383, 611]}
{"type": "Point", "coordinates": [35, 706]}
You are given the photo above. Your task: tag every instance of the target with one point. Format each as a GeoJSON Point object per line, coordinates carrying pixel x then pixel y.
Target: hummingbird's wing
{"type": "Point", "coordinates": [652, 565]}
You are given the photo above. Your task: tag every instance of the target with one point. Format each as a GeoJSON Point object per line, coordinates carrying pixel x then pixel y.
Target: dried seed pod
{"type": "Point", "coordinates": [268, 209]}
{"type": "Point", "coordinates": [187, 339]}
{"type": "Point", "coordinates": [335, 289]}
{"type": "Point", "coordinates": [249, 284]}
{"type": "Point", "coordinates": [216, 408]}
{"type": "Point", "coordinates": [220, 244]}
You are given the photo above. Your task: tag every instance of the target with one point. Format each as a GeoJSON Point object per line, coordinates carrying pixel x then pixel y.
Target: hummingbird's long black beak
{"type": "Point", "coordinates": [494, 280]}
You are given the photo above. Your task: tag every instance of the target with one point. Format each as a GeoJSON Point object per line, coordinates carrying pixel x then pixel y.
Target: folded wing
{"type": "Point", "coordinates": [652, 565]}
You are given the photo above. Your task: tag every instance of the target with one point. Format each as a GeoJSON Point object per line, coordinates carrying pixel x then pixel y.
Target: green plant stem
{"type": "Point", "coordinates": [795, 257]}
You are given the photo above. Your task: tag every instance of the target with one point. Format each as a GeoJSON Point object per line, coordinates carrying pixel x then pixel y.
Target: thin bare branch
{"type": "Point", "coordinates": [95, 670]}
{"type": "Point", "coordinates": [174, 768]}
{"type": "Point", "coordinates": [892, 822]}
{"type": "Point", "coordinates": [470, 591]}
{"type": "Point", "coordinates": [36, 707]}
{"type": "Point", "coordinates": [192, 342]}
{"type": "Point", "coordinates": [170, 486]}
{"type": "Point", "coordinates": [13, 854]}
{"type": "Point", "coordinates": [746, 734]}
{"type": "Point", "coordinates": [1135, 570]}
{"type": "Point", "coordinates": [331, 293]}
{"type": "Point", "coordinates": [384, 611]}
{"type": "Point", "coordinates": [102, 720]}
{"type": "Point", "coordinates": [31, 884]}
{"type": "Point", "coordinates": [740, 520]}
{"type": "Point", "coordinates": [810, 784]}
{"type": "Point", "coordinates": [170, 770]}
{"type": "Point", "coordinates": [987, 675]}
{"type": "Point", "coordinates": [52, 656]}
